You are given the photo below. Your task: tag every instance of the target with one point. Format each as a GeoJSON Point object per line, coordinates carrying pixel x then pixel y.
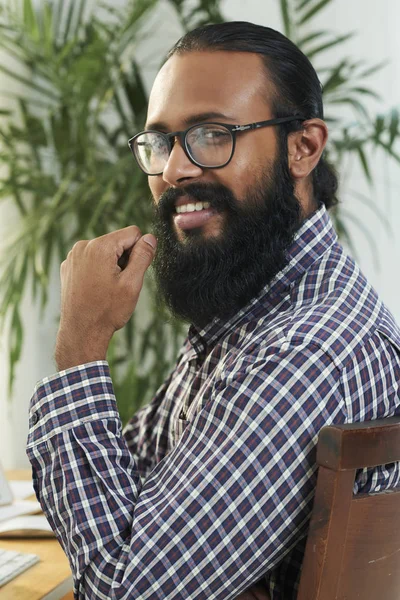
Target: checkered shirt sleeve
{"type": "Point", "coordinates": [218, 512]}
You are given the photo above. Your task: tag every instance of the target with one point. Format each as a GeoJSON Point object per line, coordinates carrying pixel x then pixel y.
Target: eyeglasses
{"type": "Point", "coordinates": [208, 145]}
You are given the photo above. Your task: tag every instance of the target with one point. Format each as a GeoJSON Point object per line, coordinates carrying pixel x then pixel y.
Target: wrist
{"type": "Point", "coordinates": [77, 348]}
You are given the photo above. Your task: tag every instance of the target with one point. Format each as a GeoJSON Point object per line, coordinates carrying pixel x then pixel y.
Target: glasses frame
{"type": "Point", "coordinates": [182, 137]}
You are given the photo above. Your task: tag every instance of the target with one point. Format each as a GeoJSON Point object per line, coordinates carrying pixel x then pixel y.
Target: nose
{"type": "Point", "coordinates": [179, 168]}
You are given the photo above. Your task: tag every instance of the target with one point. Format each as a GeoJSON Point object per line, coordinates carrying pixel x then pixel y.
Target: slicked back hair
{"type": "Point", "coordinates": [297, 89]}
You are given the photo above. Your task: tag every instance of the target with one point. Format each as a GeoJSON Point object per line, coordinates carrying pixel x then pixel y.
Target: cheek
{"type": "Point", "coordinates": [250, 161]}
{"type": "Point", "coordinates": [157, 187]}
{"type": "Point", "coordinates": [238, 176]}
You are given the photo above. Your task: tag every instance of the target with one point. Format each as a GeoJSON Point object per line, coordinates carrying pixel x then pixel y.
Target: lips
{"type": "Point", "coordinates": [194, 218]}
{"type": "Point", "coordinates": [190, 220]}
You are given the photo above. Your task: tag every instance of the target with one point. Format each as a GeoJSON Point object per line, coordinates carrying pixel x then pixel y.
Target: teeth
{"type": "Point", "coordinates": [192, 207]}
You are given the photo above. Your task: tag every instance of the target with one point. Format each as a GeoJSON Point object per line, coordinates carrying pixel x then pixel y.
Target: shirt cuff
{"type": "Point", "coordinates": [70, 398]}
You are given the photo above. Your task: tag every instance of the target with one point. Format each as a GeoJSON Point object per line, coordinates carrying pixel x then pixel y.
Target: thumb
{"type": "Point", "coordinates": [142, 254]}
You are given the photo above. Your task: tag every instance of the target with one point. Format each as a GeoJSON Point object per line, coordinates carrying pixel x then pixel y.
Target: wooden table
{"type": "Point", "coordinates": [49, 579]}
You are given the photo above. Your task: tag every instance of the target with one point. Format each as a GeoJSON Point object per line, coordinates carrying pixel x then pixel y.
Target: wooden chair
{"type": "Point", "coordinates": [353, 544]}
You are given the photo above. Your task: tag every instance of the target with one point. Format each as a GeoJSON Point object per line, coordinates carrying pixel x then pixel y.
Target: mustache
{"type": "Point", "coordinates": [219, 196]}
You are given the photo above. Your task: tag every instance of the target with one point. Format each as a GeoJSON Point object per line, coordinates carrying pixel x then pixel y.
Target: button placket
{"type": "Point", "coordinates": [188, 409]}
{"type": "Point", "coordinates": [180, 427]}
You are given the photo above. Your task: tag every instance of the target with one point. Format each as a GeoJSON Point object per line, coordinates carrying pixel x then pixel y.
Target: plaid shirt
{"type": "Point", "coordinates": [210, 487]}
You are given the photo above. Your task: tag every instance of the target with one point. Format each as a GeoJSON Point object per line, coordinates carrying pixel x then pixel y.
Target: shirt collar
{"type": "Point", "coordinates": [315, 236]}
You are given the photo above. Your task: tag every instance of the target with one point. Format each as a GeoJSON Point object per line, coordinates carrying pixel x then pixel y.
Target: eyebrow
{"type": "Point", "coordinates": [192, 120]}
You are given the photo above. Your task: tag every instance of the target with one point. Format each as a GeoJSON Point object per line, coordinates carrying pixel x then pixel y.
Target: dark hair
{"type": "Point", "coordinates": [298, 90]}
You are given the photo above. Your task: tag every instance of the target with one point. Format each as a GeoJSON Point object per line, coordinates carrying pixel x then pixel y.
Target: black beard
{"type": "Point", "coordinates": [203, 278]}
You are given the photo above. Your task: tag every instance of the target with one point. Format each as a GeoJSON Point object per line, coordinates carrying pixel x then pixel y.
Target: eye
{"type": "Point", "coordinates": [210, 135]}
{"type": "Point", "coordinates": [152, 144]}
{"type": "Point", "coordinates": [215, 134]}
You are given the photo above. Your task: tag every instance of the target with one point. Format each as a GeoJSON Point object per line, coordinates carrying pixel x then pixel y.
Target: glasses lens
{"type": "Point", "coordinates": [210, 145]}
{"type": "Point", "coordinates": [151, 150]}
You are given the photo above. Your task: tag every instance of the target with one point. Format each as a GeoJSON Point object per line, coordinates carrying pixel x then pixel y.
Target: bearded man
{"type": "Point", "coordinates": [207, 492]}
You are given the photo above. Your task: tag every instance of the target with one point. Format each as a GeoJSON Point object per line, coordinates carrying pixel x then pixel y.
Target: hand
{"type": "Point", "coordinates": [98, 297]}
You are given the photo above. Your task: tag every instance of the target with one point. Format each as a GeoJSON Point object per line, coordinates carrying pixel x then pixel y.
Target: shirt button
{"type": "Point", "coordinates": [35, 418]}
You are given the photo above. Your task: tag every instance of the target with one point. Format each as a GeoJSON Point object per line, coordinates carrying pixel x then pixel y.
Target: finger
{"type": "Point", "coordinates": [141, 256]}
{"type": "Point", "coordinates": [121, 240]}
{"type": "Point", "coordinates": [115, 247]}
{"type": "Point", "coordinates": [125, 240]}
{"type": "Point", "coordinates": [78, 246]}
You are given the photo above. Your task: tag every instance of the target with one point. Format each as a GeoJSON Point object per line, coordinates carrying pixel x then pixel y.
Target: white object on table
{"type": "Point", "coordinates": [21, 489]}
{"type": "Point", "coordinates": [26, 527]}
{"type": "Point", "coordinates": [19, 508]}
{"type": "Point", "coordinates": [13, 563]}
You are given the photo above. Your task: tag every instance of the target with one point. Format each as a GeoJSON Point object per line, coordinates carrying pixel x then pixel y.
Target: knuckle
{"type": "Point", "coordinates": [79, 244]}
{"type": "Point", "coordinates": [103, 241]}
{"type": "Point", "coordinates": [134, 229]}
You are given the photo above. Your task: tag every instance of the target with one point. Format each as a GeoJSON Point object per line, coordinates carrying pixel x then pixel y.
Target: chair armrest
{"type": "Point", "coordinates": [359, 445]}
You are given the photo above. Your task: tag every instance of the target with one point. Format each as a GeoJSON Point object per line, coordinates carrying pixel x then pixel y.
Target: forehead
{"type": "Point", "coordinates": [233, 83]}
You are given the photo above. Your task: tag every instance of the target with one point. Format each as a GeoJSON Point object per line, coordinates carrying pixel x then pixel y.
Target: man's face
{"type": "Point", "coordinates": [214, 262]}
{"type": "Point", "coordinates": [220, 87]}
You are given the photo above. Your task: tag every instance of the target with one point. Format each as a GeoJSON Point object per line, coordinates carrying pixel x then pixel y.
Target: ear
{"type": "Point", "coordinates": [305, 147]}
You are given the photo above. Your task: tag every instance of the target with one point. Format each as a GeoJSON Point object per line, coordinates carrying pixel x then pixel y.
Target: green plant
{"type": "Point", "coordinates": [69, 171]}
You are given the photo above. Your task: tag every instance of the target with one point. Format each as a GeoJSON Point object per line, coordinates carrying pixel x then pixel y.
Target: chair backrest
{"type": "Point", "coordinates": [353, 544]}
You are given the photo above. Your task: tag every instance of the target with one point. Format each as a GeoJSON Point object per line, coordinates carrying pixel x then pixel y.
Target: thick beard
{"type": "Point", "coordinates": [203, 278]}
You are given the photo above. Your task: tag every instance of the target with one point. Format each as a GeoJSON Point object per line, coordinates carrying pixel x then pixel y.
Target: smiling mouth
{"type": "Point", "coordinates": [193, 214]}
{"type": "Point", "coordinates": [191, 207]}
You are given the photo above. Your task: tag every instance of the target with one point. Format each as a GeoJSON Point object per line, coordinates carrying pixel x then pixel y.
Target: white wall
{"type": "Point", "coordinates": [376, 23]}
{"type": "Point", "coordinates": [377, 39]}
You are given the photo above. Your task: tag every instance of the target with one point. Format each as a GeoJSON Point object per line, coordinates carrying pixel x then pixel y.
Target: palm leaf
{"type": "Point", "coordinates": [366, 91]}
{"type": "Point", "coordinates": [16, 337]}
{"type": "Point", "coordinates": [48, 28]}
{"type": "Point", "coordinates": [310, 37]}
{"type": "Point", "coordinates": [330, 44]}
{"type": "Point", "coordinates": [388, 149]}
{"type": "Point", "coordinates": [367, 234]}
{"type": "Point", "coordinates": [302, 4]}
{"type": "Point", "coordinates": [354, 102]}
{"type": "Point", "coordinates": [364, 163]}
{"type": "Point", "coordinates": [30, 20]}
{"type": "Point", "coordinates": [286, 18]}
{"type": "Point", "coordinates": [29, 83]}
{"type": "Point", "coordinates": [371, 70]}
{"type": "Point", "coordinates": [313, 11]}
{"type": "Point", "coordinates": [343, 232]}
{"type": "Point", "coordinates": [336, 78]}
{"type": "Point", "coordinates": [394, 127]}
{"type": "Point", "coordinates": [372, 206]}
{"type": "Point", "coordinates": [71, 9]}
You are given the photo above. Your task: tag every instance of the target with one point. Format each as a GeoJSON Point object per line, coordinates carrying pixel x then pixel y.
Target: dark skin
{"type": "Point", "coordinates": [98, 297]}
{"type": "Point", "coordinates": [202, 83]}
